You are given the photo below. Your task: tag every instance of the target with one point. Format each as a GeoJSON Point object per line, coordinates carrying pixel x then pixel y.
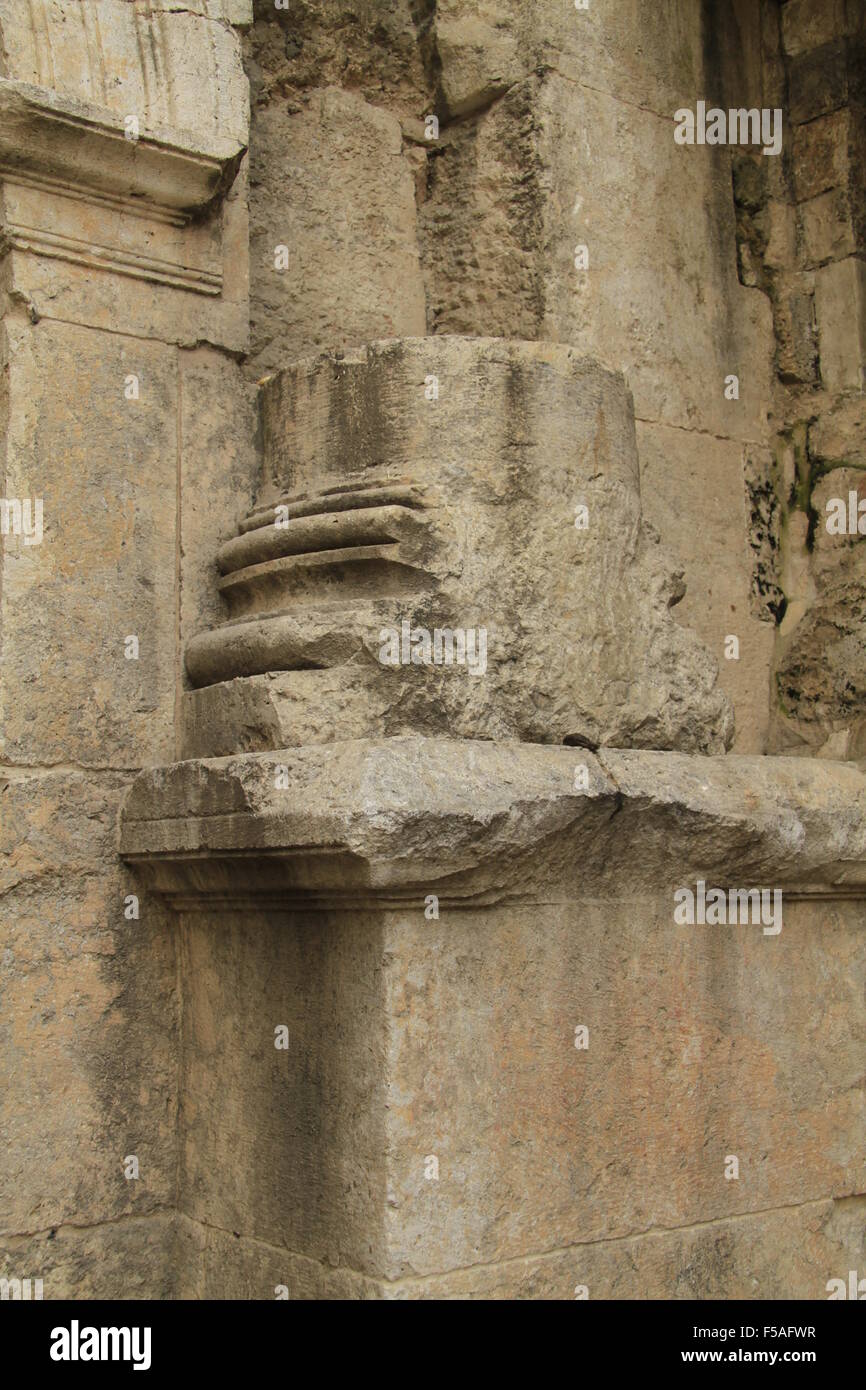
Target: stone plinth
{"type": "Point", "coordinates": [434, 921]}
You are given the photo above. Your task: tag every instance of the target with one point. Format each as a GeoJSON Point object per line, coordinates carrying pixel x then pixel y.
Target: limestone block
{"type": "Point", "coordinates": [314, 1180]}
{"type": "Point", "coordinates": [383, 53]}
{"type": "Point", "coordinates": [818, 81]}
{"type": "Point", "coordinates": [481, 50]}
{"type": "Point", "coordinates": [405, 508]}
{"type": "Point", "coordinates": [121, 133]}
{"type": "Point", "coordinates": [166, 65]}
{"type": "Point", "coordinates": [147, 306]}
{"type": "Point", "coordinates": [780, 226]}
{"type": "Point", "coordinates": [775, 1255]}
{"type": "Point", "coordinates": [145, 235]}
{"type": "Point", "coordinates": [485, 207]}
{"type": "Point", "coordinates": [345, 213]}
{"type": "Point", "coordinates": [694, 493]}
{"type": "Point", "coordinates": [828, 228]}
{"type": "Point", "coordinates": [342, 824]}
{"type": "Point", "coordinates": [133, 1258]}
{"type": "Point", "coordinates": [848, 487]}
{"type": "Point", "coordinates": [820, 154]}
{"type": "Point", "coordinates": [222, 1264]}
{"type": "Point", "coordinates": [648, 57]}
{"type": "Point", "coordinates": [105, 467]}
{"type": "Point", "coordinates": [80, 985]}
{"type": "Point", "coordinates": [218, 468]}
{"type": "Point", "coordinates": [839, 434]}
{"type": "Point", "coordinates": [541, 1146]}
{"type": "Point", "coordinates": [796, 335]}
{"type": "Point", "coordinates": [840, 304]}
{"type": "Point", "coordinates": [808, 24]}
{"type": "Point", "coordinates": [659, 299]}
{"type": "Point", "coordinates": [280, 709]}
{"type": "Point", "coordinates": [821, 667]}
{"type": "Point", "coordinates": [57, 140]}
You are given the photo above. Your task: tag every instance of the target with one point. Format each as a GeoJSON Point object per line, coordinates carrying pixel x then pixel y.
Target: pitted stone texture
{"type": "Point", "coordinates": [531, 180]}
{"type": "Point", "coordinates": [458, 512]}
{"type": "Point", "coordinates": [331, 184]}
{"type": "Point", "coordinates": [106, 470]}
{"type": "Point", "coordinates": [81, 986]}
{"type": "Point", "coordinates": [134, 1257]}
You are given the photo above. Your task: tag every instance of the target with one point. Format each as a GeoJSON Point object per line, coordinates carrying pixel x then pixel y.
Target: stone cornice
{"type": "Point", "coordinates": [381, 823]}
{"type": "Point", "coordinates": [76, 149]}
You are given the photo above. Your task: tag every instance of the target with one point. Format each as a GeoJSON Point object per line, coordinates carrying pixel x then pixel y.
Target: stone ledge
{"type": "Point", "coordinates": [78, 149]}
{"type": "Point", "coordinates": [380, 823]}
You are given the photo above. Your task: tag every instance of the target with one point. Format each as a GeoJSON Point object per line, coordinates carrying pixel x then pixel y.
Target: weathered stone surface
{"type": "Point", "coordinates": [117, 189]}
{"type": "Point", "coordinates": [821, 669]}
{"type": "Point", "coordinates": [839, 436]}
{"type": "Point", "coordinates": [828, 230]}
{"type": "Point", "coordinates": [408, 510]}
{"type": "Point", "coordinates": [493, 814]}
{"type": "Point", "coordinates": [531, 182]}
{"type": "Point", "coordinates": [796, 337]}
{"type": "Point", "coordinates": [168, 65]}
{"type": "Point", "coordinates": [503, 191]}
{"type": "Point", "coordinates": [305, 876]}
{"type": "Point", "coordinates": [683, 474]}
{"type": "Point", "coordinates": [633, 1139]}
{"type": "Point", "coordinates": [820, 155]}
{"type": "Point", "coordinates": [218, 467]}
{"type": "Point", "coordinates": [832, 488]}
{"type": "Point", "coordinates": [648, 58]}
{"type": "Point", "coordinates": [132, 1258]}
{"type": "Point", "coordinates": [806, 24]}
{"type": "Point", "coordinates": [105, 569]}
{"type": "Point", "coordinates": [81, 983]}
{"type": "Point", "coordinates": [115, 250]}
{"type": "Point", "coordinates": [343, 205]}
{"type": "Point", "coordinates": [768, 1255]}
{"type": "Point", "coordinates": [313, 1180]}
{"type": "Point", "coordinates": [541, 1147]}
{"type": "Point", "coordinates": [382, 50]}
{"type": "Point", "coordinates": [840, 302]}
{"type": "Point", "coordinates": [818, 81]}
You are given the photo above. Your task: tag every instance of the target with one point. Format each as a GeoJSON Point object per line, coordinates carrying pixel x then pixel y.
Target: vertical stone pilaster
{"type": "Point", "coordinates": [123, 223]}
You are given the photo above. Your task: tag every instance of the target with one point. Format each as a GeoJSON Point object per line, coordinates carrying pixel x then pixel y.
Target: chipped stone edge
{"type": "Point", "coordinates": [374, 821]}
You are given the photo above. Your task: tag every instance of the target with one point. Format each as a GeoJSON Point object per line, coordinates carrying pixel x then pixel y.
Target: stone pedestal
{"type": "Point", "coordinates": [444, 1033]}
{"type": "Point", "coordinates": [510, 1071]}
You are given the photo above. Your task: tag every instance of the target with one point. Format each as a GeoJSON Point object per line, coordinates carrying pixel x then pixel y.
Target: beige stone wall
{"type": "Point", "coordinates": [105, 279]}
{"type": "Point", "coordinates": [175, 261]}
